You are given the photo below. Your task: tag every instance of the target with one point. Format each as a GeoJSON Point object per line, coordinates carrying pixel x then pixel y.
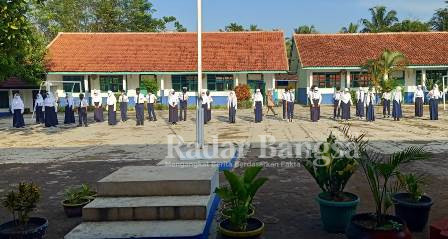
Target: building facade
{"type": "Point", "coordinates": [14, 85]}
{"type": "Point", "coordinates": [336, 60]}
{"type": "Point", "coordinates": [122, 61]}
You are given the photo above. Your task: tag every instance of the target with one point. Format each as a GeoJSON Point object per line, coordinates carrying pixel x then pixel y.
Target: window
{"type": "Point", "coordinates": [180, 81]}
{"type": "Point", "coordinates": [327, 79]}
{"type": "Point", "coordinates": [418, 77]}
{"type": "Point", "coordinates": [359, 79]}
{"type": "Point", "coordinates": [69, 86]}
{"type": "Point", "coordinates": [220, 82]}
{"type": "Point", "coordinates": [398, 76]}
{"type": "Point", "coordinates": [112, 83]}
{"type": "Point", "coordinates": [255, 81]}
{"type": "Point", "coordinates": [4, 99]}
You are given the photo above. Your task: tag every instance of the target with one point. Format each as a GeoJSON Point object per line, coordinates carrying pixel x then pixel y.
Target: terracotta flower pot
{"type": "Point", "coordinates": [355, 229]}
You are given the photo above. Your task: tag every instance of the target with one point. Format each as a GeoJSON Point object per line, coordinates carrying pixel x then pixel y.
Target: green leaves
{"type": "Point", "coordinates": [23, 201]}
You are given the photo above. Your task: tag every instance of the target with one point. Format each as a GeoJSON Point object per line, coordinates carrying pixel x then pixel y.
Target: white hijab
{"type": "Point", "coordinates": [70, 100]}
{"type": "Point", "coordinates": [49, 100]}
{"type": "Point", "coordinates": [39, 99]}
{"type": "Point", "coordinates": [258, 96]}
{"type": "Point", "coordinates": [17, 103]}
{"type": "Point", "coordinates": [111, 99]}
{"type": "Point", "coordinates": [232, 100]}
{"type": "Point", "coordinates": [172, 98]}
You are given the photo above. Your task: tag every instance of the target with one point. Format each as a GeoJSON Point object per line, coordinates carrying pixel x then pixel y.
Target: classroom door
{"type": "Point", "coordinates": [4, 99]}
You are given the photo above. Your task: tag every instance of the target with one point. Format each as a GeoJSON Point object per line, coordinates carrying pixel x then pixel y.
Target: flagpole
{"type": "Point", "coordinates": [200, 111]}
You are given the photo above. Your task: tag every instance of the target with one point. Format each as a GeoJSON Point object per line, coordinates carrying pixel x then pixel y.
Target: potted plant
{"type": "Point", "coordinates": [240, 195]}
{"type": "Point", "coordinates": [75, 198]}
{"type": "Point", "coordinates": [412, 206]}
{"type": "Point", "coordinates": [21, 203]}
{"type": "Point", "coordinates": [381, 174]}
{"type": "Point", "coordinates": [332, 166]}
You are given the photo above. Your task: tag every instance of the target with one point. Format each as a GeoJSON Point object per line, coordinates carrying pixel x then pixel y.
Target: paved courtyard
{"type": "Point", "coordinates": [60, 157]}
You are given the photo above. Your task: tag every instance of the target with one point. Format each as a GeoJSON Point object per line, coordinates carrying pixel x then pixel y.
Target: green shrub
{"type": "Point", "coordinates": [245, 104]}
{"type": "Point", "coordinates": [22, 202]}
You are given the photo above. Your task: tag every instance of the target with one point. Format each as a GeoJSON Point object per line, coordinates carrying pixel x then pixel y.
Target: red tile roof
{"type": "Point", "coordinates": [166, 52]}
{"type": "Point", "coordinates": [319, 50]}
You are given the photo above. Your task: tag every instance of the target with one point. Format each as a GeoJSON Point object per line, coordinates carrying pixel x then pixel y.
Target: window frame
{"type": "Point", "coordinates": [189, 81]}
{"type": "Point", "coordinates": [327, 79]}
{"type": "Point", "coordinates": [110, 78]}
{"type": "Point", "coordinates": [65, 86]}
{"type": "Point", "coordinates": [226, 80]}
{"type": "Point", "coordinates": [364, 77]}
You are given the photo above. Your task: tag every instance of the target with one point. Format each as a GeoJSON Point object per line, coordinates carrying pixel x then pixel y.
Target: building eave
{"type": "Point", "coordinates": [160, 72]}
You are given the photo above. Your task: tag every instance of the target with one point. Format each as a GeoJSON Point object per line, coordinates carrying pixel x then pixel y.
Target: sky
{"type": "Point", "coordinates": [328, 16]}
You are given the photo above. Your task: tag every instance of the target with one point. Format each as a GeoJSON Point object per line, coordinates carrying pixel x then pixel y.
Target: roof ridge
{"type": "Point", "coordinates": [156, 33]}
{"type": "Point", "coordinates": [370, 33]}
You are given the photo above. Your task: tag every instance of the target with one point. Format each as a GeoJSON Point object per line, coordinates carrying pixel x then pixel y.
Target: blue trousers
{"type": "Point", "coordinates": [140, 113]}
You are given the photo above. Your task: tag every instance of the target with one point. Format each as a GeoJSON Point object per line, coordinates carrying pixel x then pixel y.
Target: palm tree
{"type": "Point", "coordinates": [233, 27]}
{"type": "Point", "coordinates": [352, 28]}
{"type": "Point", "coordinates": [381, 20]}
{"type": "Point", "coordinates": [439, 21]}
{"type": "Point", "coordinates": [305, 29]}
{"type": "Point", "coordinates": [381, 68]}
{"type": "Point", "coordinates": [411, 26]}
{"type": "Point", "coordinates": [254, 28]}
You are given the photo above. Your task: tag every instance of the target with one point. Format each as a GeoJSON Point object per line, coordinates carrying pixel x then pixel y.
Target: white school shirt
{"type": "Point", "coordinates": [346, 97]}
{"type": "Point", "coordinates": [151, 98]}
{"type": "Point", "coordinates": [290, 97]}
{"type": "Point", "coordinates": [387, 95]}
{"type": "Point", "coordinates": [397, 96]}
{"type": "Point", "coordinates": [39, 101]}
{"type": "Point", "coordinates": [49, 101]}
{"type": "Point", "coordinates": [337, 96]}
{"type": "Point", "coordinates": [435, 94]}
{"type": "Point", "coordinates": [139, 99]}
{"type": "Point", "coordinates": [205, 100]}
{"type": "Point", "coordinates": [123, 98]}
{"type": "Point", "coordinates": [360, 95]}
{"type": "Point", "coordinates": [17, 104]}
{"type": "Point", "coordinates": [83, 103]}
{"type": "Point", "coordinates": [70, 101]}
{"type": "Point", "coordinates": [315, 96]}
{"type": "Point", "coordinates": [418, 94]}
{"type": "Point", "coordinates": [370, 96]}
{"type": "Point", "coordinates": [111, 100]}
{"type": "Point", "coordinates": [285, 95]}
{"type": "Point", "coordinates": [173, 100]}
{"type": "Point", "coordinates": [232, 100]}
{"type": "Point", "coordinates": [183, 96]}
{"type": "Point", "coordinates": [97, 99]}
{"type": "Point", "coordinates": [258, 97]}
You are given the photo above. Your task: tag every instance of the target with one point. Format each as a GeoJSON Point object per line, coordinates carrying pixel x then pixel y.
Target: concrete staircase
{"type": "Point", "coordinates": [151, 202]}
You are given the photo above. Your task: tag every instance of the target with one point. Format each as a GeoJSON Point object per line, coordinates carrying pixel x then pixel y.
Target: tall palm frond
{"type": "Point", "coordinates": [381, 20]}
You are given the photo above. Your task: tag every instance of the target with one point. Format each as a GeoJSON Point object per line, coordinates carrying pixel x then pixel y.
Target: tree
{"type": "Point", "coordinates": [381, 20]}
{"type": "Point", "coordinates": [411, 26]}
{"type": "Point", "coordinates": [305, 29]}
{"type": "Point", "coordinates": [22, 47]}
{"type": "Point", "coordinates": [254, 28]}
{"type": "Point", "coordinates": [439, 21]}
{"type": "Point", "coordinates": [99, 16]}
{"type": "Point", "coordinates": [381, 68]}
{"type": "Point", "coordinates": [233, 27]}
{"type": "Point", "coordinates": [352, 28]}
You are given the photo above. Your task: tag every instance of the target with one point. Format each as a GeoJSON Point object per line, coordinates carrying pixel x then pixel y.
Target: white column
{"type": "Point", "coordinates": [424, 77]}
{"type": "Point", "coordinates": [273, 82]}
{"type": "Point", "coordinates": [348, 79]}
{"type": "Point", "coordinates": [199, 46]}
{"type": "Point", "coordinates": [236, 79]}
{"type": "Point", "coordinates": [125, 87]}
{"type": "Point", "coordinates": [162, 82]}
{"type": "Point", "coordinates": [310, 79]}
{"type": "Point", "coordinates": [86, 83]}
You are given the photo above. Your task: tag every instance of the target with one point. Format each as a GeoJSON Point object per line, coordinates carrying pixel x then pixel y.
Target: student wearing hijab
{"type": "Point", "coordinates": [284, 103]}
{"type": "Point", "coordinates": [315, 98]}
{"type": "Point", "coordinates": [82, 111]}
{"type": "Point", "coordinates": [97, 101]}
{"type": "Point", "coordinates": [397, 98]}
{"type": "Point", "coordinates": [38, 106]}
{"type": "Point", "coordinates": [173, 103]}
{"type": "Point", "coordinates": [232, 106]}
{"type": "Point", "coordinates": [69, 114]}
{"type": "Point", "coordinates": [387, 96]}
{"type": "Point", "coordinates": [183, 101]}
{"type": "Point", "coordinates": [17, 109]}
{"type": "Point", "coordinates": [210, 101]}
{"type": "Point", "coordinates": [360, 96]}
{"type": "Point", "coordinates": [139, 107]}
{"type": "Point", "coordinates": [290, 105]}
{"type": "Point", "coordinates": [258, 106]}
{"type": "Point", "coordinates": [123, 100]}
{"type": "Point", "coordinates": [418, 101]}
{"type": "Point", "coordinates": [345, 103]}
{"type": "Point", "coordinates": [336, 99]}
{"type": "Point", "coordinates": [111, 108]}
{"type": "Point", "coordinates": [434, 96]}
{"type": "Point", "coordinates": [50, 109]}
{"type": "Point", "coordinates": [151, 99]}
{"type": "Point", "coordinates": [270, 103]}
{"type": "Point", "coordinates": [205, 105]}
{"type": "Point", "coordinates": [369, 103]}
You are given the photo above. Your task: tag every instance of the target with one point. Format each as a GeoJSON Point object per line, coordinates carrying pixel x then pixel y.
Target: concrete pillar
{"type": "Point", "coordinates": [236, 79]}
{"type": "Point", "coordinates": [273, 82]}
{"type": "Point", "coordinates": [310, 79]}
{"type": "Point", "coordinates": [86, 83]}
{"type": "Point", "coordinates": [125, 87]}
{"type": "Point", "coordinates": [348, 79]}
{"type": "Point", "coordinates": [162, 82]}
{"type": "Point", "coordinates": [424, 77]}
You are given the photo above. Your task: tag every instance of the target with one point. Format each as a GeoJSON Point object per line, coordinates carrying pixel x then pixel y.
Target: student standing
{"type": "Point", "coordinates": [290, 105]}
{"type": "Point", "coordinates": [173, 103]}
{"type": "Point", "coordinates": [434, 96]}
{"type": "Point", "coordinates": [111, 108]}
{"type": "Point", "coordinates": [232, 105]}
{"type": "Point", "coordinates": [336, 100]}
{"type": "Point", "coordinates": [97, 101]}
{"type": "Point", "coordinates": [360, 96]}
{"type": "Point", "coordinates": [270, 103]}
{"type": "Point", "coordinates": [151, 99]}
{"type": "Point", "coordinates": [17, 109]}
{"type": "Point", "coordinates": [345, 104]}
{"type": "Point", "coordinates": [418, 101]}
{"type": "Point", "coordinates": [397, 98]}
{"type": "Point", "coordinates": [370, 102]}
{"type": "Point", "coordinates": [123, 100]}
{"type": "Point", "coordinates": [38, 106]}
{"type": "Point", "coordinates": [69, 114]}
{"type": "Point", "coordinates": [139, 107]}
{"type": "Point", "coordinates": [284, 104]}
{"type": "Point", "coordinates": [258, 106]}
{"type": "Point", "coordinates": [315, 98]}
{"type": "Point", "coordinates": [183, 101]}
{"type": "Point", "coordinates": [210, 101]}
{"type": "Point", "coordinates": [82, 111]}
{"type": "Point", "coordinates": [387, 96]}
{"type": "Point", "coordinates": [205, 105]}
{"type": "Point", "coordinates": [51, 119]}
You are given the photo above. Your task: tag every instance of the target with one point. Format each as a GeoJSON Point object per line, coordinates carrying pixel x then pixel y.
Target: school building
{"type": "Point", "coordinates": [116, 61]}
{"type": "Point", "coordinates": [335, 60]}
{"type": "Point", "coordinates": [12, 85]}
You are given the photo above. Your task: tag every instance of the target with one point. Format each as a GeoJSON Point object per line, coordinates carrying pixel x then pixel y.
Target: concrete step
{"type": "Point", "coordinates": [138, 229]}
{"type": "Point", "coordinates": [134, 181]}
{"type": "Point", "coordinates": [148, 208]}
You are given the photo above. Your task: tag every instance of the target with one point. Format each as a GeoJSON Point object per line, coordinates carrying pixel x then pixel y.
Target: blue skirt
{"type": "Point", "coordinates": [258, 112]}
{"type": "Point", "coordinates": [17, 120]}
{"type": "Point", "coordinates": [40, 118]}
{"type": "Point", "coordinates": [419, 107]}
{"type": "Point", "coordinates": [360, 108]}
{"type": "Point", "coordinates": [69, 116]}
{"type": "Point", "coordinates": [345, 108]}
{"type": "Point", "coordinates": [370, 112]}
{"type": "Point", "coordinates": [396, 110]}
{"type": "Point", "coordinates": [51, 117]}
{"type": "Point", "coordinates": [434, 109]}
{"type": "Point", "coordinates": [112, 115]}
{"type": "Point", "coordinates": [124, 111]}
